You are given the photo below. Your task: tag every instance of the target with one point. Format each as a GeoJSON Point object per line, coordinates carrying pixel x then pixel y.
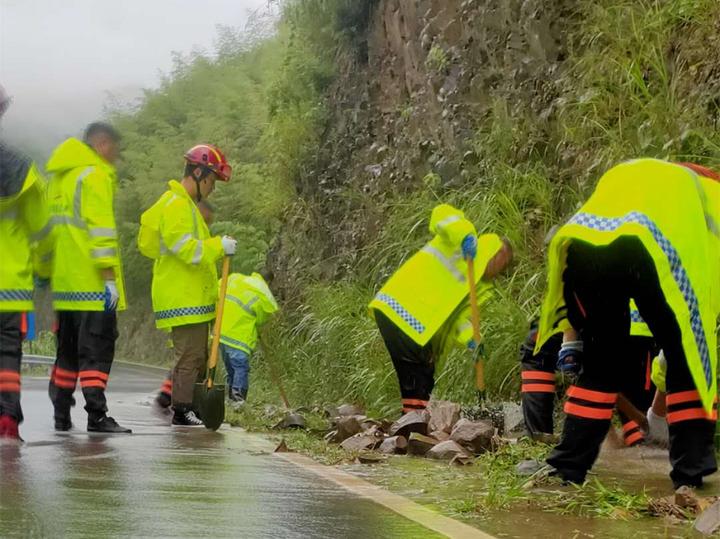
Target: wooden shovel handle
{"type": "Point", "coordinates": [212, 360]}
{"type": "Point", "coordinates": [631, 412]}
{"type": "Point", "coordinates": [475, 317]}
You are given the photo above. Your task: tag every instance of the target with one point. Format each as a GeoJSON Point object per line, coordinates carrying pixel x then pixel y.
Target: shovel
{"type": "Point", "coordinates": [212, 396]}
{"type": "Point", "coordinates": [484, 410]}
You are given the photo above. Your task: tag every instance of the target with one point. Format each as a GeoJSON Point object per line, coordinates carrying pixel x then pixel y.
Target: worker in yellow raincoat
{"type": "Point", "coordinates": [423, 309]}
{"type": "Point", "coordinates": [648, 232]}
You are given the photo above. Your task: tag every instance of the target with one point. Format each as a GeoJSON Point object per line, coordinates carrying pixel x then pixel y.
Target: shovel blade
{"type": "Point", "coordinates": [211, 403]}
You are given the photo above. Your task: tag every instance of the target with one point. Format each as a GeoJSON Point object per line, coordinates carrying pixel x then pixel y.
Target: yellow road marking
{"type": "Point", "coordinates": [401, 505]}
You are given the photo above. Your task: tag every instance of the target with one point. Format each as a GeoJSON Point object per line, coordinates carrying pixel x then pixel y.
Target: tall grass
{"type": "Point", "coordinates": [632, 87]}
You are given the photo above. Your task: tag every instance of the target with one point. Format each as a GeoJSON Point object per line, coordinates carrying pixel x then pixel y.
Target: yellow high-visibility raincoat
{"type": "Point", "coordinates": [23, 215]}
{"type": "Point", "coordinates": [81, 194]}
{"type": "Point", "coordinates": [184, 285]}
{"type": "Point", "coordinates": [248, 305]}
{"type": "Point", "coordinates": [675, 213]}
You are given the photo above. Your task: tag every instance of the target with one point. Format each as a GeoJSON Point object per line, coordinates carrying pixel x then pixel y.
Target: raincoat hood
{"type": "Point", "coordinates": [74, 154]}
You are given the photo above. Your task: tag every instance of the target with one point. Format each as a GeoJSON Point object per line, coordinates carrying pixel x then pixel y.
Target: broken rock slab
{"type": "Point", "coordinates": [709, 520]}
{"type": "Point", "coordinates": [360, 442]}
{"type": "Point", "coordinates": [394, 445]}
{"type": "Point", "coordinates": [419, 444]}
{"type": "Point", "coordinates": [443, 415]}
{"type": "Point", "coordinates": [476, 436]}
{"type": "Point", "coordinates": [415, 421]}
{"type": "Point", "coordinates": [447, 450]}
{"type": "Point", "coordinates": [350, 409]}
{"type": "Point", "coordinates": [440, 435]}
{"type": "Point", "coordinates": [346, 426]}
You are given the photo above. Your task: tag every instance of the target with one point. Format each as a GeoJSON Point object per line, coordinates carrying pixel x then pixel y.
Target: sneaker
{"type": "Point", "coordinates": [9, 428]}
{"type": "Point", "coordinates": [238, 395]}
{"type": "Point", "coordinates": [106, 424]}
{"type": "Point", "coordinates": [187, 419]}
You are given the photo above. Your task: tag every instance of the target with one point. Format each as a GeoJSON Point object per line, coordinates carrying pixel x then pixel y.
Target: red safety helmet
{"type": "Point", "coordinates": [211, 157]}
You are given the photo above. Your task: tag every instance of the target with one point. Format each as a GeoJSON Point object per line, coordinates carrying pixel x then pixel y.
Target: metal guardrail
{"type": "Point", "coordinates": [33, 359]}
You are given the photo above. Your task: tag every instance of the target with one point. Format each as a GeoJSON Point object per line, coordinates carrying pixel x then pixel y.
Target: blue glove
{"type": "Point", "coordinates": [477, 350]}
{"type": "Point", "coordinates": [469, 246]}
{"type": "Point", "coordinates": [40, 282]}
{"type": "Point", "coordinates": [569, 357]}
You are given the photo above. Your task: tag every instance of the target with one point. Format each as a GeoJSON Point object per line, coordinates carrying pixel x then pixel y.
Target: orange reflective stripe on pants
{"type": "Point", "coordinates": [589, 404]}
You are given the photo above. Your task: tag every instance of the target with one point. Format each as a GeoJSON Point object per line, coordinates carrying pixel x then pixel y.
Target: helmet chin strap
{"type": "Point", "coordinates": [203, 174]}
{"type": "Point", "coordinates": [198, 194]}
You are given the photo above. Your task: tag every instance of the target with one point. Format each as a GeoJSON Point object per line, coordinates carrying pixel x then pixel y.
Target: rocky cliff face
{"type": "Point", "coordinates": [411, 103]}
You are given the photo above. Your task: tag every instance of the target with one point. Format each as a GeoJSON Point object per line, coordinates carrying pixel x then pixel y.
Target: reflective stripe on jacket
{"type": "Point", "coordinates": [248, 305]}
{"type": "Point", "coordinates": [426, 290]}
{"type": "Point", "coordinates": [674, 213]}
{"type": "Point", "coordinates": [23, 214]}
{"type": "Point", "coordinates": [184, 285]}
{"type": "Point", "coordinates": [82, 227]}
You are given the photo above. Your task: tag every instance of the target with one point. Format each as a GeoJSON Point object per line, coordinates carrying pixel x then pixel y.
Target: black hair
{"type": "Point", "coordinates": [101, 128]}
{"type": "Point", "coordinates": [190, 171]}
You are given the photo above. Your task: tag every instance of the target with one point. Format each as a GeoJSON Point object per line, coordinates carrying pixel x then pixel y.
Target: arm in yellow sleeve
{"type": "Point", "coordinates": [450, 224]}
{"type": "Point", "coordinates": [176, 230]}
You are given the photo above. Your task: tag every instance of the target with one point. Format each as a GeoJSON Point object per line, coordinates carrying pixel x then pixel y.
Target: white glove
{"type": "Point", "coordinates": [229, 245]}
{"type": "Point", "coordinates": [657, 429]}
{"type": "Point", "coordinates": [111, 296]}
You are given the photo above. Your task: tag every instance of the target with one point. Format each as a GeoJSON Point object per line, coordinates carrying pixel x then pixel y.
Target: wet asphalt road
{"type": "Point", "coordinates": [164, 481]}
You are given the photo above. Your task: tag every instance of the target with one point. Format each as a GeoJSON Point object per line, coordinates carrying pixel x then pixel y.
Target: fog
{"type": "Point", "coordinates": [61, 59]}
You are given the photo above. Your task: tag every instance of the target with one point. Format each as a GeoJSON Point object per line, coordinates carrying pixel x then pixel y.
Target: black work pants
{"type": "Point", "coordinates": [538, 382]}
{"type": "Point", "coordinates": [10, 356]}
{"type": "Point", "coordinates": [636, 384]}
{"type": "Point", "coordinates": [598, 285]}
{"type": "Point", "coordinates": [85, 350]}
{"type": "Point", "coordinates": [413, 364]}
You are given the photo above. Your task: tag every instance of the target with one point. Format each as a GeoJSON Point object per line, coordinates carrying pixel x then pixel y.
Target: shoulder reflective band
{"type": "Point", "coordinates": [76, 219]}
{"type": "Point", "coordinates": [447, 221]}
{"type": "Point", "coordinates": [449, 263]}
{"type": "Point", "coordinates": [244, 306]}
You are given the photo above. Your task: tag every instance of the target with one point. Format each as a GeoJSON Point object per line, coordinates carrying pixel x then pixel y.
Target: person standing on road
{"type": "Point", "coordinates": [423, 309]}
{"type": "Point", "coordinates": [184, 286]}
{"type": "Point", "coordinates": [248, 305]}
{"type": "Point", "coordinates": [650, 232]}
{"type": "Point", "coordinates": [23, 214]}
{"type": "Point", "coordinates": [163, 399]}
{"type": "Point", "coordinates": [87, 281]}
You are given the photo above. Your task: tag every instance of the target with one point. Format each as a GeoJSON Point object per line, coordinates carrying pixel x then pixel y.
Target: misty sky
{"type": "Point", "coordinates": [59, 58]}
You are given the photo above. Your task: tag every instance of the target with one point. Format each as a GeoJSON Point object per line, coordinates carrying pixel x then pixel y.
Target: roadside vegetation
{"type": "Point", "coordinates": [635, 79]}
